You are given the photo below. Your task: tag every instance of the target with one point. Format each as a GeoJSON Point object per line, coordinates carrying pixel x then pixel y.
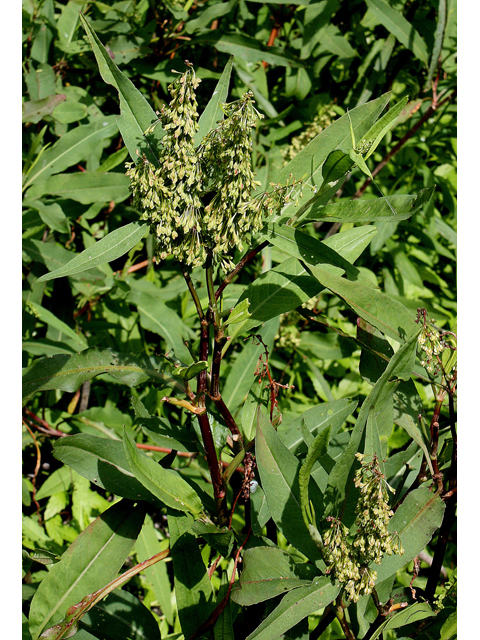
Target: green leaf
{"type": "Point", "coordinates": [268, 572]}
{"type": "Point", "coordinates": [35, 110]}
{"type": "Point", "coordinates": [315, 420]}
{"type": "Point", "coordinates": [114, 245]}
{"type": "Point", "coordinates": [415, 521]}
{"type": "Point", "coordinates": [157, 317]}
{"type": "Point", "coordinates": [289, 285]}
{"type": "Point", "coordinates": [58, 481]}
{"type": "Point", "coordinates": [294, 607]}
{"type": "Point", "coordinates": [316, 450]}
{"type": "Point", "coordinates": [248, 48]}
{"type": "Point", "coordinates": [136, 114]}
{"type": "Point", "coordinates": [308, 162]}
{"type": "Point", "coordinates": [79, 342]}
{"type": "Point", "coordinates": [102, 461]}
{"type": "Point", "coordinates": [220, 539]}
{"type": "Point", "coordinates": [122, 615]}
{"type": "Point", "coordinates": [278, 469]}
{"type": "Point", "coordinates": [161, 431]}
{"type": "Point", "coordinates": [86, 187]}
{"type": "Point", "coordinates": [193, 589]}
{"type": "Point", "coordinates": [333, 41]}
{"type": "Point", "coordinates": [167, 485]}
{"type": "Point", "coordinates": [277, 291]}
{"type": "Point", "coordinates": [305, 247]}
{"type": "Point", "coordinates": [91, 561]}
{"type": "Point", "coordinates": [212, 12]}
{"type": "Point", "coordinates": [71, 148]}
{"type": "Point", "coordinates": [383, 126]}
{"type": "Point", "coordinates": [340, 481]}
{"type": "Point", "coordinates": [52, 215]}
{"type": "Point", "coordinates": [381, 311]}
{"type": "Point", "coordinates": [397, 25]}
{"type": "Point", "coordinates": [335, 166]}
{"type": "Point", "coordinates": [242, 374]}
{"type": "Point", "coordinates": [54, 256]}
{"type": "Point", "coordinates": [70, 372]}
{"type": "Point", "coordinates": [213, 111]}
{"type": "Point", "coordinates": [146, 546]}
{"type": "Point", "coordinates": [368, 210]}
{"type": "Point", "coordinates": [410, 615]}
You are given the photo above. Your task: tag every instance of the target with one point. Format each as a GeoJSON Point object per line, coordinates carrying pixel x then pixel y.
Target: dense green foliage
{"type": "Point", "coordinates": [275, 441]}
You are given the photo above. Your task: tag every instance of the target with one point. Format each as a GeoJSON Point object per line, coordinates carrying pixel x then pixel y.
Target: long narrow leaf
{"type": "Point", "coordinates": [70, 372]}
{"type": "Point", "coordinates": [166, 484]}
{"type": "Point", "coordinates": [213, 111]}
{"type": "Point", "coordinates": [112, 246]}
{"type": "Point", "coordinates": [399, 27]}
{"type": "Point", "coordinates": [136, 114]}
{"type": "Point", "coordinates": [91, 561]}
{"type": "Point", "coordinates": [404, 206]}
{"type": "Point", "coordinates": [294, 607]}
{"type": "Point", "coordinates": [377, 308]}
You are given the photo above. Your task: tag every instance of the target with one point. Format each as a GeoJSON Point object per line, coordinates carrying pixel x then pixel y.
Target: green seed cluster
{"type": "Point", "coordinates": [350, 559]}
{"type": "Point", "coordinates": [431, 345]}
{"type": "Point", "coordinates": [199, 200]}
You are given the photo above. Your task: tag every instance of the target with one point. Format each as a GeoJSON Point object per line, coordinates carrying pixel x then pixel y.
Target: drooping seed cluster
{"type": "Point", "coordinates": [199, 200]}
{"type": "Point", "coordinates": [350, 559]}
{"type": "Point", "coordinates": [430, 342]}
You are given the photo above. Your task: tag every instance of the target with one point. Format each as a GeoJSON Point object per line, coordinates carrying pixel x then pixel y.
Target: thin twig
{"type": "Point", "coordinates": [37, 469]}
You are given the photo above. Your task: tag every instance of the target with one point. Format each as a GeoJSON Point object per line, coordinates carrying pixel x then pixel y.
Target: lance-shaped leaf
{"type": "Point", "coordinates": [277, 291]}
{"type": "Point", "coordinates": [103, 462]}
{"type": "Point", "coordinates": [278, 469]}
{"type": "Point", "coordinates": [316, 450]}
{"type": "Point", "coordinates": [136, 114]}
{"type": "Point", "coordinates": [337, 136]}
{"type": "Point", "coordinates": [86, 187]}
{"type": "Point", "coordinates": [77, 340]}
{"type": "Point", "coordinates": [159, 318]}
{"type": "Point", "coordinates": [269, 572]}
{"type": "Point", "coordinates": [71, 148]}
{"type": "Point", "coordinates": [69, 372]}
{"type": "Point", "coordinates": [166, 484]}
{"type": "Point", "coordinates": [114, 245]}
{"type": "Point", "coordinates": [213, 111]}
{"type": "Point", "coordinates": [415, 521]}
{"type": "Point", "coordinates": [363, 210]}
{"type": "Point", "coordinates": [146, 546]}
{"type": "Point", "coordinates": [386, 314]}
{"type": "Point", "coordinates": [340, 482]}
{"type": "Point", "coordinates": [248, 48]}
{"type": "Point", "coordinates": [91, 561]}
{"type": "Point", "coordinates": [193, 589]}
{"type": "Point", "coordinates": [304, 247]}
{"type": "Point", "coordinates": [410, 615]}
{"type": "Point", "coordinates": [405, 33]}
{"type": "Point", "coordinates": [289, 285]}
{"type": "Point", "coordinates": [133, 623]}
{"type": "Point", "coordinates": [35, 110]}
{"type": "Point", "coordinates": [294, 607]}
{"type": "Point", "coordinates": [382, 126]}
{"type": "Point", "coordinates": [124, 615]}
{"type": "Point", "coordinates": [314, 421]}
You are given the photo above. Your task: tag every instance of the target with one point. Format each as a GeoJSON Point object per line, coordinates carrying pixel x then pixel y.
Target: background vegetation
{"type": "Point", "coordinates": [307, 63]}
